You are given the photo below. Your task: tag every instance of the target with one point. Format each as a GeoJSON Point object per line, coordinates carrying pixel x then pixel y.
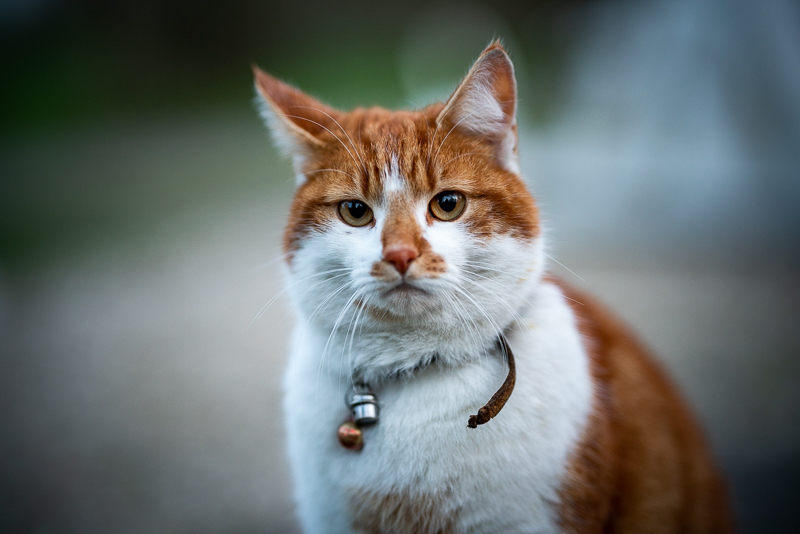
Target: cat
{"type": "Point", "coordinates": [415, 263]}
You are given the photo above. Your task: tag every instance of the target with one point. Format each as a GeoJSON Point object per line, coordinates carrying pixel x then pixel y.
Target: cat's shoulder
{"type": "Point", "coordinates": [640, 446]}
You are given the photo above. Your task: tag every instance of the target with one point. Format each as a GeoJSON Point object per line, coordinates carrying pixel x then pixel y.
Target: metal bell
{"type": "Point", "coordinates": [350, 436]}
{"type": "Point", "coordinates": [363, 406]}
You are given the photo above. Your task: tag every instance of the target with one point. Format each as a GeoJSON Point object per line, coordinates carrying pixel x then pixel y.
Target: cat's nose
{"type": "Point", "coordinates": [401, 257]}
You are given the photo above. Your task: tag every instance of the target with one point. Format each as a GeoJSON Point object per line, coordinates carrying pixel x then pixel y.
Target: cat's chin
{"type": "Point", "coordinates": [403, 301]}
{"type": "Point", "coordinates": [406, 291]}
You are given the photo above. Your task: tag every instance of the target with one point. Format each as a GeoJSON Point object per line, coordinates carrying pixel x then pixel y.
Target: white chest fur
{"type": "Point", "coordinates": [501, 477]}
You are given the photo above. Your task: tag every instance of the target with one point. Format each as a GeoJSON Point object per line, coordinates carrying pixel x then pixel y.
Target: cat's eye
{"type": "Point", "coordinates": [355, 213]}
{"type": "Point", "coordinates": [448, 205]}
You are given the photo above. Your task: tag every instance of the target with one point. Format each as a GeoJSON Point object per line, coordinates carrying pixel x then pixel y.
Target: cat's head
{"type": "Point", "coordinates": [409, 218]}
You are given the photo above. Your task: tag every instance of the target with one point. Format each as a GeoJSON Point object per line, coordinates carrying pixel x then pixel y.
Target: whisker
{"type": "Point", "coordinates": [472, 328]}
{"type": "Point", "coordinates": [462, 119]}
{"type": "Point", "coordinates": [308, 322]}
{"type": "Point", "coordinates": [564, 266]}
{"type": "Point", "coordinates": [350, 347]}
{"type": "Point", "coordinates": [454, 127]}
{"type": "Point", "coordinates": [459, 156]}
{"type": "Point", "coordinates": [572, 299]}
{"type": "Point", "coordinates": [324, 302]}
{"type": "Point", "coordinates": [333, 331]}
{"type": "Point", "coordinates": [327, 130]}
{"type": "Point", "coordinates": [305, 291]}
{"type": "Point", "coordinates": [363, 166]}
{"type": "Point", "coordinates": [267, 264]}
{"type": "Point", "coordinates": [333, 170]}
{"type": "Point", "coordinates": [431, 140]}
{"type": "Point", "coordinates": [480, 308]}
{"type": "Point", "coordinates": [287, 288]}
{"type": "Point", "coordinates": [513, 274]}
{"type": "Point", "coordinates": [489, 294]}
{"type": "Point", "coordinates": [486, 267]}
{"type": "Point", "coordinates": [360, 124]}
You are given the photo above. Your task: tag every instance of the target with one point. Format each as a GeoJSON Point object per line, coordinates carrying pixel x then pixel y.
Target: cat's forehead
{"type": "Point", "coordinates": [395, 147]}
{"type": "Point", "coordinates": [380, 152]}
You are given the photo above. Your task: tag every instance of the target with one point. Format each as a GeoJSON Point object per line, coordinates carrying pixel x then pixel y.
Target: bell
{"type": "Point", "coordinates": [350, 436]}
{"type": "Point", "coordinates": [364, 407]}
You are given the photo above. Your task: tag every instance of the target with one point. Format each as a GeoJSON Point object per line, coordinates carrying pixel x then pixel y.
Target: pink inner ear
{"type": "Point", "coordinates": [485, 102]}
{"type": "Point", "coordinates": [504, 85]}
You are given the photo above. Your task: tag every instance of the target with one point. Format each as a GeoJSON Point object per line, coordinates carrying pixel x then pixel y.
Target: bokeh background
{"type": "Point", "coordinates": [141, 206]}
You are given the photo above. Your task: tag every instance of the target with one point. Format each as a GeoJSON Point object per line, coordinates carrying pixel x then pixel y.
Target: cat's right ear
{"type": "Point", "coordinates": [484, 105]}
{"type": "Point", "coordinates": [298, 122]}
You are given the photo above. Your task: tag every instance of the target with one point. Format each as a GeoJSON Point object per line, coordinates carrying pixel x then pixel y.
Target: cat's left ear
{"type": "Point", "coordinates": [300, 124]}
{"type": "Point", "coordinates": [485, 105]}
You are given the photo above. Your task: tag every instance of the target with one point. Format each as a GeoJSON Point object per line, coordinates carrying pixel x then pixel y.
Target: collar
{"type": "Point", "coordinates": [365, 410]}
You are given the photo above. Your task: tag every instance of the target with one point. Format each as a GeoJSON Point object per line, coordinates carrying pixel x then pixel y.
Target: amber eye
{"type": "Point", "coordinates": [355, 212]}
{"type": "Point", "coordinates": [448, 205]}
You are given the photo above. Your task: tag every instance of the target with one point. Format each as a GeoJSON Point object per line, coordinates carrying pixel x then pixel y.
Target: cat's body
{"type": "Point", "coordinates": [421, 466]}
{"type": "Point", "coordinates": [412, 245]}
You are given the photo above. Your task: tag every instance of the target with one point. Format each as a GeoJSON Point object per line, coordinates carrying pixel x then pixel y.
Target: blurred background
{"type": "Point", "coordinates": [141, 206]}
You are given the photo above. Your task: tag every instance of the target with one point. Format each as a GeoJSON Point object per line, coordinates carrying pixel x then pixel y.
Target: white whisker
{"type": "Point", "coordinates": [333, 170]}
{"type": "Point", "coordinates": [472, 328]}
{"type": "Point", "coordinates": [482, 310]}
{"type": "Point", "coordinates": [269, 263]}
{"type": "Point", "coordinates": [564, 266]}
{"type": "Point", "coordinates": [457, 157]}
{"type": "Point", "coordinates": [449, 132]}
{"type": "Point", "coordinates": [354, 323]}
{"type": "Point", "coordinates": [287, 288]}
{"type": "Point", "coordinates": [327, 130]}
{"type": "Point", "coordinates": [490, 294]}
{"type": "Point", "coordinates": [363, 166]}
{"type": "Point", "coordinates": [333, 331]}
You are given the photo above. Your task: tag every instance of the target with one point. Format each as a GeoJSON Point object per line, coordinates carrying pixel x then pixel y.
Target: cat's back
{"type": "Point", "coordinates": [642, 464]}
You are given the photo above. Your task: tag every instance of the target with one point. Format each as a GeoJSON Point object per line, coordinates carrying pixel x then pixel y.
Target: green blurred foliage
{"type": "Point", "coordinates": [72, 60]}
{"type": "Point", "coordinates": [76, 72]}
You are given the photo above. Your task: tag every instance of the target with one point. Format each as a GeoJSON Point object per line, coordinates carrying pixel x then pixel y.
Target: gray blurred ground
{"type": "Point", "coordinates": [137, 397]}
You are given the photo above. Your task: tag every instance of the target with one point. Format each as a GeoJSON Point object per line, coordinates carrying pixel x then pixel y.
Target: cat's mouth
{"type": "Point", "coordinates": [399, 302]}
{"type": "Point", "coordinates": [406, 299]}
{"type": "Point", "coordinates": [404, 289]}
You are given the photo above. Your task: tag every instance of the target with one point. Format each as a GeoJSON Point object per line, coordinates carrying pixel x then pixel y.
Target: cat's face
{"type": "Point", "coordinates": [411, 217]}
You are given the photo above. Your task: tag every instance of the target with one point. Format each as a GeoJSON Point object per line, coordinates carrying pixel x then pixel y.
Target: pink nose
{"type": "Point", "coordinates": [401, 257]}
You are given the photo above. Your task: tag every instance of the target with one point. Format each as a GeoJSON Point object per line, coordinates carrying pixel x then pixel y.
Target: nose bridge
{"type": "Point", "coordinates": [401, 229]}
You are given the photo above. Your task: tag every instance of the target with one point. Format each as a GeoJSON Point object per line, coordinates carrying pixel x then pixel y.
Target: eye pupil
{"type": "Point", "coordinates": [448, 205]}
{"type": "Point", "coordinates": [357, 209]}
{"type": "Point", "coordinates": [448, 202]}
{"type": "Point", "coordinates": [355, 213]}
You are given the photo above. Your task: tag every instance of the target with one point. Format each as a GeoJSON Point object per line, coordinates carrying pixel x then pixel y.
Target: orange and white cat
{"type": "Point", "coordinates": [412, 246]}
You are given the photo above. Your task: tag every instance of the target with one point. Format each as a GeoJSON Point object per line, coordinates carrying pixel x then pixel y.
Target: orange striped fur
{"type": "Point", "coordinates": [643, 464]}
